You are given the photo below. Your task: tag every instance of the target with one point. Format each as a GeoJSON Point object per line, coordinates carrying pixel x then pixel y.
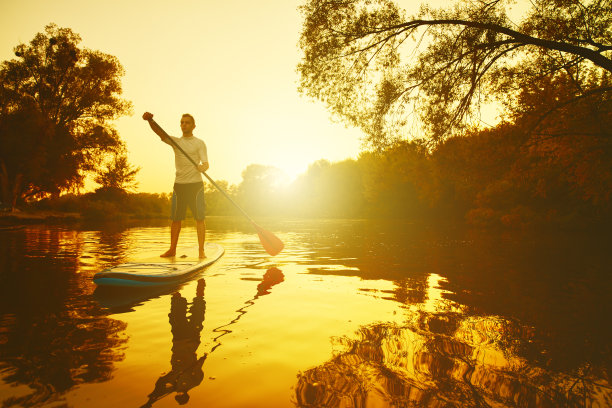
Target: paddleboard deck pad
{"type": "Point", "coordinates": [148, 270]}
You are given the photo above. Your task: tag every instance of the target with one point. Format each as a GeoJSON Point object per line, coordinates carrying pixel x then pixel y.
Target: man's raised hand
{"type": "Point", "coordinates": [147, 116]}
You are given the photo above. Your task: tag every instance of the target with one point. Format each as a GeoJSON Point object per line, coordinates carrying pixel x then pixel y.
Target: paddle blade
{"type": "Point", "coordinates": [271, 243]}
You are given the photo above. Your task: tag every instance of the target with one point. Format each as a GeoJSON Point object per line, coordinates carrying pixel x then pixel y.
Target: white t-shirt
{"type": "Point", "coordinates": [186, 172]}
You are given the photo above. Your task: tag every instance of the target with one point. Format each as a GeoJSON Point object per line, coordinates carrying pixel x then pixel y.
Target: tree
{"type": "Point", "coordinates": [118, 174]}
{"type": "Point", "coordinates": [398, 181]}
{"type": "Point", "coordinates": [216, 202]}
{"type": "Point", "coordinates": [259, 187]}
{"type": "Point", "coordinates": [566, 164]}
{"type": "Point", "coordinates": [66, 96]}
{"type": "Point", "coordinates": [381, 70]}
{"type": "Point", "coordinates": [330, 190]}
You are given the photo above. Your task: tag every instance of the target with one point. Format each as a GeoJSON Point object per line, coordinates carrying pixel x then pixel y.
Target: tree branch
{"type": "Point", "coordinates": [593, 56]}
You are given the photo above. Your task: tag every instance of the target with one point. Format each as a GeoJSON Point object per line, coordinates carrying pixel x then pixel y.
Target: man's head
{"type": "Point", "coordinates": [187, 124]}
{"type": "Point", "coordinates": [182, 398]}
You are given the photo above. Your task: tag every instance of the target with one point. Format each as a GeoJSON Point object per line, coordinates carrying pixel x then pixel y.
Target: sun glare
{"type": "Point", "coordinates": [291, 169]}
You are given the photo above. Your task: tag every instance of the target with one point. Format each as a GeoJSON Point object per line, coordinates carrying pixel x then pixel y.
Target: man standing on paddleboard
{"type": "Point", "coordinates": [188, 186]}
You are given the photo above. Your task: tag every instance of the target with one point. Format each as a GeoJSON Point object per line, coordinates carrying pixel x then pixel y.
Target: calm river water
{"type": "Point", "coordinates": [350, 314]}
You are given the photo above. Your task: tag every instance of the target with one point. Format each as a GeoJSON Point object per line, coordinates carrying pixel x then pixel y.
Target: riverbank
{"type": "Point", "coordinates": [18, 217]}
{"type": "Point", "coordinates": [34, 216]}
{"type": "Point", "coordinates": [103, 216]}
{"type": "Point", "coordinates": [99, 206]}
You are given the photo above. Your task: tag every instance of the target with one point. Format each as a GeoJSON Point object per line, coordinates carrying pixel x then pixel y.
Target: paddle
{"type": "Point", "coordinates": [271, 243]}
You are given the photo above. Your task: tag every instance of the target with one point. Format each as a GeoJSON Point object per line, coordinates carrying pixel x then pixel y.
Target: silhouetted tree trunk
{"type": "Point", "coordinates": [10, 191]}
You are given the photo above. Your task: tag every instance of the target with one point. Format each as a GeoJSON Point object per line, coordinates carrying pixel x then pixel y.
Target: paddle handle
{"type": "Point", "coordinates": [167, 136]}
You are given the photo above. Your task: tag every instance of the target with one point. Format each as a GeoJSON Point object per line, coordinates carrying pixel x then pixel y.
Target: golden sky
{"type": "Point", "coordinates": [230, 63]}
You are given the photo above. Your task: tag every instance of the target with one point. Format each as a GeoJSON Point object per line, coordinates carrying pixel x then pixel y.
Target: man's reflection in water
{"type": "Point", "coordinates": [186, 370]}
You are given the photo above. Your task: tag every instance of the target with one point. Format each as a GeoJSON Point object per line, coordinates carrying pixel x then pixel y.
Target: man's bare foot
{"type": "Point", "coordinates": [202, 254]}
{"type": "Point", "coordinates": [169, 253]}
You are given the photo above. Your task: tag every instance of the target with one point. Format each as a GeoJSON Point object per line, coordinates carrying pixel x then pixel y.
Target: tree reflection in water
{"type": "Point", "coordinates": [444, 360]}
{"type": "Point", "coordinates": [520, 323]}
{"type": "Point", "coordinates": [52, 336]}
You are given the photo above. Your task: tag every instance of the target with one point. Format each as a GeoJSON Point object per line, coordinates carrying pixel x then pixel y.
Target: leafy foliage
{"type": "Point", "coordinates": [118, 174]}
{"type": "Point", "coordinates": [328, 190]}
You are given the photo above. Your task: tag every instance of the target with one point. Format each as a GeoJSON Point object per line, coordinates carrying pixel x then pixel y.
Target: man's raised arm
{"type": "Point", "coordinates": [156, 128]}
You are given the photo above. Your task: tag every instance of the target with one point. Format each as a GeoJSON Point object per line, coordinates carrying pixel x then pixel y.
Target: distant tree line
{"type": "Point", "coordinates": [502, 176]}
{"type": "Point", "coordinates": [506, 175]}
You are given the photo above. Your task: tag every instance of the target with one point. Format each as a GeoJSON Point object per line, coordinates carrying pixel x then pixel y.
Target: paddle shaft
{"type": "Point", "coordinates": [201, 171]}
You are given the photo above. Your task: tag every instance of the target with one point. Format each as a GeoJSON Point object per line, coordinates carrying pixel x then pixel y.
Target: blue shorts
{"type": "Point", "coordinates": [188, 195]}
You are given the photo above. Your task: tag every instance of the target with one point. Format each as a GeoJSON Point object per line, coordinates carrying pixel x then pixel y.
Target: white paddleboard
{"type": "Point", "coordinates": [148, 270]}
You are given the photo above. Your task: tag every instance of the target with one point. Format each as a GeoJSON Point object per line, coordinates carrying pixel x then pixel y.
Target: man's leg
{"type": "Point", "coordinates": [179, 207]}
{"type": "Point", "coordinates": [199, 214]}
{"type": "Point", "coordinates": [201, 228]}
{"type": "Point", "coordinates": [175, 230]}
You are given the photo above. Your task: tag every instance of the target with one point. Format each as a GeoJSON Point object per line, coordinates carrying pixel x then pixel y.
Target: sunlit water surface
{"type": "Point", "coordinates": [350, 314]}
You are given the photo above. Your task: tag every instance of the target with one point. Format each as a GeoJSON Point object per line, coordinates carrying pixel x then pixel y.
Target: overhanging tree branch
{"type": "Point", "coordinates": [352, 61]}
{"type": "Point", "coordinates": [594, 56]}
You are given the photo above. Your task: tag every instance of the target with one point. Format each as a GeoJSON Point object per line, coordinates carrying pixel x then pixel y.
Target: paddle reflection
{"type": "Point", "coordinates": [272, 277]}
{"type": "Point", "coordinates": [186, 372]}
{"type": "Point", "coordinates": [443, 360]}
